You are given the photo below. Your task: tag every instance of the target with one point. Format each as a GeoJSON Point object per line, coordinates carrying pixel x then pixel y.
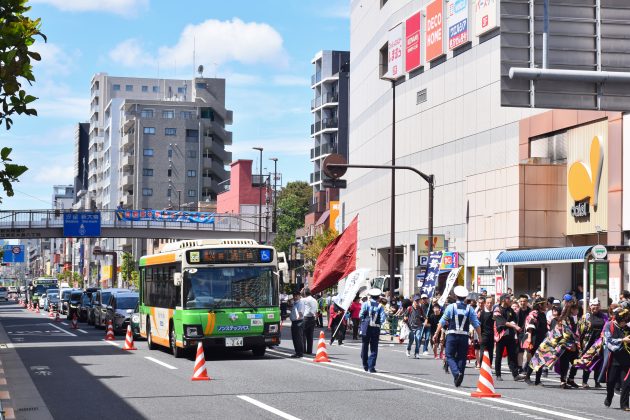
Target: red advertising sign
{"type": "Point", "coordinates": [413, 56]}
{"type": "Point", "coordinates": [434, 30]}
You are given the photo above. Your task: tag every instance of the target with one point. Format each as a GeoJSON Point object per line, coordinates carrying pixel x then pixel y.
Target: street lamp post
{"type": "Point", "coordinates": [260, 149]}
{"type": "Point", "coordinates": [274, 226]}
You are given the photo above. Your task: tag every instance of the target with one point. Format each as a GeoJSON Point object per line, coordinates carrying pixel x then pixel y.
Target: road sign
{"type": "Point", "coordinates": [588, 36]}
{"type": "Point", "coordinates": [334, 183]}
{"type": "Point", "coordinates": [334, 158]}
{"type": "Point", "coordinates": [82, 225]}
{"type": "Point", "coordinates": [13, 254]}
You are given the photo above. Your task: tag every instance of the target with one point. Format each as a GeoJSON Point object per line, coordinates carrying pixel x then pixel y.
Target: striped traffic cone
{"type": "Point", "coordinates": [37, 308]}
{"type": "Point", "coordinates": [200, 373]}
{"type": "Point", "coordinates": [109, 336]}
{"type": "Point", "coordinates": [51, 314]}
{"type": "Point", "coordinates": [129, 340]}
{"type": "Point", "coordinates": [75, 322]}
{"type": "Point", "coordinates": [485, 384]}
{"type": "Point", "coordinates": [57, 319]}
{"type": "Point", "coordinates": [321, 355]}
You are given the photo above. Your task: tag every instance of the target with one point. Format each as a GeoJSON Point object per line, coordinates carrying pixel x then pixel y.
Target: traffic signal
{"type": "Point", "coordinates": [334, 173]}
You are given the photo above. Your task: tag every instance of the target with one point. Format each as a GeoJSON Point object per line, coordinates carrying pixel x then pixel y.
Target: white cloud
{"type": "Point", "coordinates": [55, 60]}
{"type": "Point", "coordinates": [66, 107]}
{"type": "Point", "coordinates": [131, 54]}
{"type": "Point", "coordinates": [124, 8]}
{"type": "Point", "coordinates": [215, 42]}
{"type": "Point", "coordinates": [288, 80]}
{"type": "Point", "coordinates": [53, 174]}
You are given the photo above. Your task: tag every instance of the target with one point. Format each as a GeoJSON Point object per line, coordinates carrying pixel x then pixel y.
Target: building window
{"type": "Point", "coordinates": [170, 131]}
{"type": "Point", "coordinates": [207, 113]}
{"type": "Point", "coordinates": [200, 85]}
{"type": "Point", "coordinates": [145, 88]}
{"type": "Point", "coordinates": [382, 60]}
{"type": "Point", "coordinates": [168, 114]}
{"type": "Point", "coordinates": [549, 149]}
{"type": "Point", "coordinates": [169, 192]}
{"type": "Point", "coordinates": [169, 173]}
{"type": "Point", "coordinates": [149, 130]}
{"type": "Point", "coordinates": [147, 192]}
{"type": "Point", "coordinates": [146, 113]}
{"type": "Point", "coordinates": [192, 193]}
{"type": "Point", "coordinates": [181, 90]}
{"type": "Point", "coordinates": [116, 87]}
{"type": "Point", "coordinates": [129, 88]}
{"type": "Point", "coordinates": [147, 172]}
{"type": "Point", "coordinates": [185, 115]}
{"type": "Point", "coordinates": [383, 2]}
{"type": "Point", "coordinates": [155, 89]}
{"type": "Point", "coordinates": [170, 153]}
{"type": "Point", "coordinates": [148, 152]}
{"type": "Point", "coordinates": [192, 154]}
{"type": "Point", "coordinates": [192, 173]}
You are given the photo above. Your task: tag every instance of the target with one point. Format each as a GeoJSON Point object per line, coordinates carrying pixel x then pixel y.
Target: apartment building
{"type": "Point", "coordinates": [329, 131]}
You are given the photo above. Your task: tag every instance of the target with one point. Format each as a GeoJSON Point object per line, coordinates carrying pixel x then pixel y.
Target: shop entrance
{"type": "Point", "coordinates": [526, 280]}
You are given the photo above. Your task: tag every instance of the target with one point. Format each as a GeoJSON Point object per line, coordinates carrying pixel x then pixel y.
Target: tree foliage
{"type": "Point", "coordinates": [17, 35]}
{"type": "Point", "coordinates": [317, 245]}
{"type": "Point", "coordinates": [128, 266]}
{"type": "Point", "coordinates": [293, 203]}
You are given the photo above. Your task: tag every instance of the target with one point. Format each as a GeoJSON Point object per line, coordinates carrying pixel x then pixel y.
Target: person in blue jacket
{"type": "Point", "coordinates": [459, 317]}
{"type": "Point", "coordinates": [372, 316]}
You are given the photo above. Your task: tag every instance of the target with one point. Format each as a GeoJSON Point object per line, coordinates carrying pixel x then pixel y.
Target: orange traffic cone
{"type": "Point", "coordinates": [109, 336]}
{"type": "Point", "coordinates": [57, 317]}
{"type": "Point", "coordinates": [129, 340]}
{"type": "Point", "coordinates": [200, 373]}
{"type": "Point", "coordinates": [321, 355]}
{"type": "Point", "coordinates": [485, 384]}
{"type": "Point", "coordinates": [51, 314]}
{"type": "Point", "coordinates": [37, 308]}
{"type": "Point", "coordinates": [75, 323]}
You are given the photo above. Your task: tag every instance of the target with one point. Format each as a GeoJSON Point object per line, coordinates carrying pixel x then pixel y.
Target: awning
{"type": "Point", "coordinates": [544, 256]}
{"type": "Point", "coordinates": [323, 218]}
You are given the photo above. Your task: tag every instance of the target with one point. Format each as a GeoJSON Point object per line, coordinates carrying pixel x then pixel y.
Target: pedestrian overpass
{"type": "Point", "coordinates": [33, 224]}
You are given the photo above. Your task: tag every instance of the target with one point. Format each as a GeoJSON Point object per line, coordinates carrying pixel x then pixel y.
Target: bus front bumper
{"type": "Point", "coordinates": [249, 342]}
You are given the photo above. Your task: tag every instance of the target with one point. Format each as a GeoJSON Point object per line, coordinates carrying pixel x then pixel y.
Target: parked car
{"type": "Point", "coordinates": [64, 298]}
{"type": "Point", "coordinates": [73, 303]}
{"type": "Point", "coordinates": [4, 294]}
{"type": "Point", "coordinates": [45, 298]}
{"type": "Point", "coordinates": [52, 300]}
{"type": "Point", "coordinates": [135, 321]}
{"type": "Point", "coordinates": [42, 301]}
{"type": "Point", "coordinates": [121, 306]}
{"type": "Point", "coordinates": [91, 310]}
{"type": "Point", "coordinates": [86, 304]}
{"type": "Point", "coordinates": [100, 304]}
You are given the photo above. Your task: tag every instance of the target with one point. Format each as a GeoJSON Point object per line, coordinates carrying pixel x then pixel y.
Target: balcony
{"type": "Point", "coordinates": [330, 99]}
{"type": "Point", "coordinates": [316, 103]}
{"type": "Point", "coordinates": [127, 140]}
{"type": "Point", "coordinates": [329, 123]}
{"type": "Point", "coordinates": [96, 92]}
{"type": "Point", "coordinates": [127, 200]}
{"type": "Point", "coordinates": [127, 160]}
{"type": "Point", "coordinates": [224, 186]}
{"type": "Point", "coordinates": [324, 149]}
{"type": "Point", "coordinates": [316, 127]}
{"type": "Point", "coordinates": [126, 181]}
{"type": "Point", "coordinates": [316, 78]}
{"type": "Point", "coordinates": [316, 177]}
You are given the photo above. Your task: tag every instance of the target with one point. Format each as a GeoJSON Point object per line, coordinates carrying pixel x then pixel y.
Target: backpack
{"type": "Point", "coordinates": [370, 320]}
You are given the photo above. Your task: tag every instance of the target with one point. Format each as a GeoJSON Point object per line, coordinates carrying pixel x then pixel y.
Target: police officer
{"type": "Point", "coordinates": [459, 316]}
{"type": "Point", "coordinates": [372, 316]}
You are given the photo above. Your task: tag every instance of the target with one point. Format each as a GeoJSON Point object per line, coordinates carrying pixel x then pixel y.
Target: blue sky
{"type": "Point", "coordinates": [263, 48]}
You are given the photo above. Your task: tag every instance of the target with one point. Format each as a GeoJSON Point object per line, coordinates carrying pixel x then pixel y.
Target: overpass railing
{"type": "Point", "coordinates": [23, 219]}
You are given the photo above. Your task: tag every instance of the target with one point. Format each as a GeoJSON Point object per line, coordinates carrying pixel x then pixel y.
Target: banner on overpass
{"type": "Point", "coordinates": [165, 216]}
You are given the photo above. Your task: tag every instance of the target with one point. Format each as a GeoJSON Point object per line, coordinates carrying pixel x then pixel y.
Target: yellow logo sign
{"type": "Point", "coordinates": [584, 179]}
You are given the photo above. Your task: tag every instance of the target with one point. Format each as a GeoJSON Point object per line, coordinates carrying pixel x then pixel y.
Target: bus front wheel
{"type": "Point", "coordinates": [150, 342]}
{"type": "Point", "coordinates": [177, 352]}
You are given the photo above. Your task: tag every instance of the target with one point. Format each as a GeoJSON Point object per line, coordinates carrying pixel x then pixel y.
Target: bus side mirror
{"type": "Point", "coordinates": [177, 279]}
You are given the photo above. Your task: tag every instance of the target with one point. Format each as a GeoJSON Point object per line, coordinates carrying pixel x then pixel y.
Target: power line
{"type": "Point", "coordinates": [31, 196]}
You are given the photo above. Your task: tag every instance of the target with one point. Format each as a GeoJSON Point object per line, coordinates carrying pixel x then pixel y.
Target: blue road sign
{"type": "Point", "coordinates": [13, 254]}
{"type": "Point", "coordinates": [82, 225]}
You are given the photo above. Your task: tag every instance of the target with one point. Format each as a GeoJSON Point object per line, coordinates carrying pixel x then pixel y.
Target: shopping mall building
{"type": "Point", "coordinates": [521, 195]}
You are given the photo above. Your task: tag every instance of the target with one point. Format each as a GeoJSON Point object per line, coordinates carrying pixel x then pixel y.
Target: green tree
{"type": "Point", "coordinates": [127, 267]}
{"type": "Point", "coordinates": [135, 279]}
{"type": "Point", "coordinates": [17, 34]}
{"type": "Point", "coordinates": [292, 207]}
{"type": "Point", "coordinates": [316, 246]}
{"type": "Point", "coordinates": [76, 277]}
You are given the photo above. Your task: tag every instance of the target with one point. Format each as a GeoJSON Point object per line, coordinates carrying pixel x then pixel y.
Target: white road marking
{"type": "Point", "coordinates": [82, 331]}
{"type": "Point", "coordinates": [465, 394]}
{"type": "Point", "coordinates": [62, 330]}
{"type": "Point", "coordinates": [267, 407]}
{"type": "Point", "coordinates": [112, 343]}
{"type": "Point", "coordinates": [64, 323]}
{"type": "Point", "coordinates": [166, 365]}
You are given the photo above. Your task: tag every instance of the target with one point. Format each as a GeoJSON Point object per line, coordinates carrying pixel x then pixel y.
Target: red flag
{"type": "Point", "coordinates": [337, 260]}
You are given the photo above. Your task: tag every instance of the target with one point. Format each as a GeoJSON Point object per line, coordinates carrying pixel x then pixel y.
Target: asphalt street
{"type": "Point", "coordinates": [53, 371]}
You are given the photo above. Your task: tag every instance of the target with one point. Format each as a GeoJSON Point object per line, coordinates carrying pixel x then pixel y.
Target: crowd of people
{"type": "Point", "coordinates": [534, 333]}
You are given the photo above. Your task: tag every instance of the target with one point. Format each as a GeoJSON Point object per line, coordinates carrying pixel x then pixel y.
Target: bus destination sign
{"type": "Point", "coordinates": [230, 256]}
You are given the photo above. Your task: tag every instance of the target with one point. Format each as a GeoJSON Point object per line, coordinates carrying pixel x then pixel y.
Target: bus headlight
{"type": "Point", "coordinates": [273, 328]}
{"type": "Point", "coordinates": [193, 330]}
{"type": "Point", "coordinates": [135, 318]}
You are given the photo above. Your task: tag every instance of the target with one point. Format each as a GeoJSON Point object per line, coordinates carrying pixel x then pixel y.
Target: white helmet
{"type": "Point", "coordinates": [460, 291]}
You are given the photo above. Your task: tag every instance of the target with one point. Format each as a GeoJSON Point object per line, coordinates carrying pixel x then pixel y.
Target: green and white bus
{"type": "Point", "coordinates": [223, 293]}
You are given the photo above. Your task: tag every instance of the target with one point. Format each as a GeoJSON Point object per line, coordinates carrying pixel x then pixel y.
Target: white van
{"type": "Point", "coordinates": [283, 267]}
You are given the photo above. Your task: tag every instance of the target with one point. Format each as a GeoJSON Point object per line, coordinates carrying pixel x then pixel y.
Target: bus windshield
{"type": "Point", "coordinates": [230, 287]}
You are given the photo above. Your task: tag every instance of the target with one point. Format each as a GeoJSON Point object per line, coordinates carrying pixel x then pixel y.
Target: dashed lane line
{"type": "Point", "coordinates": [62, 330]}
{"type": "Point", "coordinates": [267, 408]}
{"type": "Point", "coordinates": [112, 343]}
{"type": "Point", "coordinates": [82, 331]}
{"type": "Point", "coordinates": [159, 362]}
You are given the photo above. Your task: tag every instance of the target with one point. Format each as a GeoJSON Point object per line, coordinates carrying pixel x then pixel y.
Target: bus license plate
{"type": "Point", "coordinates": [234, 342]}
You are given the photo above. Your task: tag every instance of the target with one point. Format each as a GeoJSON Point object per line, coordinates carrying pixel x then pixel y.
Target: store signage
{"type": "Point", "coordinates": [450, 260]}
{"type": "Point", "coordinates": [485, 16]}
{"type": "Point", "coordinates": [498, 281]}
{"type": "Point", "coordinates": [334, 215]}
{"type": "Point", "coordinates": [580, 210]}
{"type": "Point", "coordinates": [584, 179]}
{"type": "Point", "coordinates": [413, 56]}
{"type": "Point", "coordinates": [599, 252]}
{"type": "Point", "coordinates": [423, 243]}
{"type": "Point", "coordinates": [457, 22]}
{"type": "Point", "coordinates": [395, 53]}
{"type": "Point", "coordinates": [434, 27]}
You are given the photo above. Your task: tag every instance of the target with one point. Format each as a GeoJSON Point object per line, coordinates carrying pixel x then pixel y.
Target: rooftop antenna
{"type": "Point", "coordinates": [200, 70]}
